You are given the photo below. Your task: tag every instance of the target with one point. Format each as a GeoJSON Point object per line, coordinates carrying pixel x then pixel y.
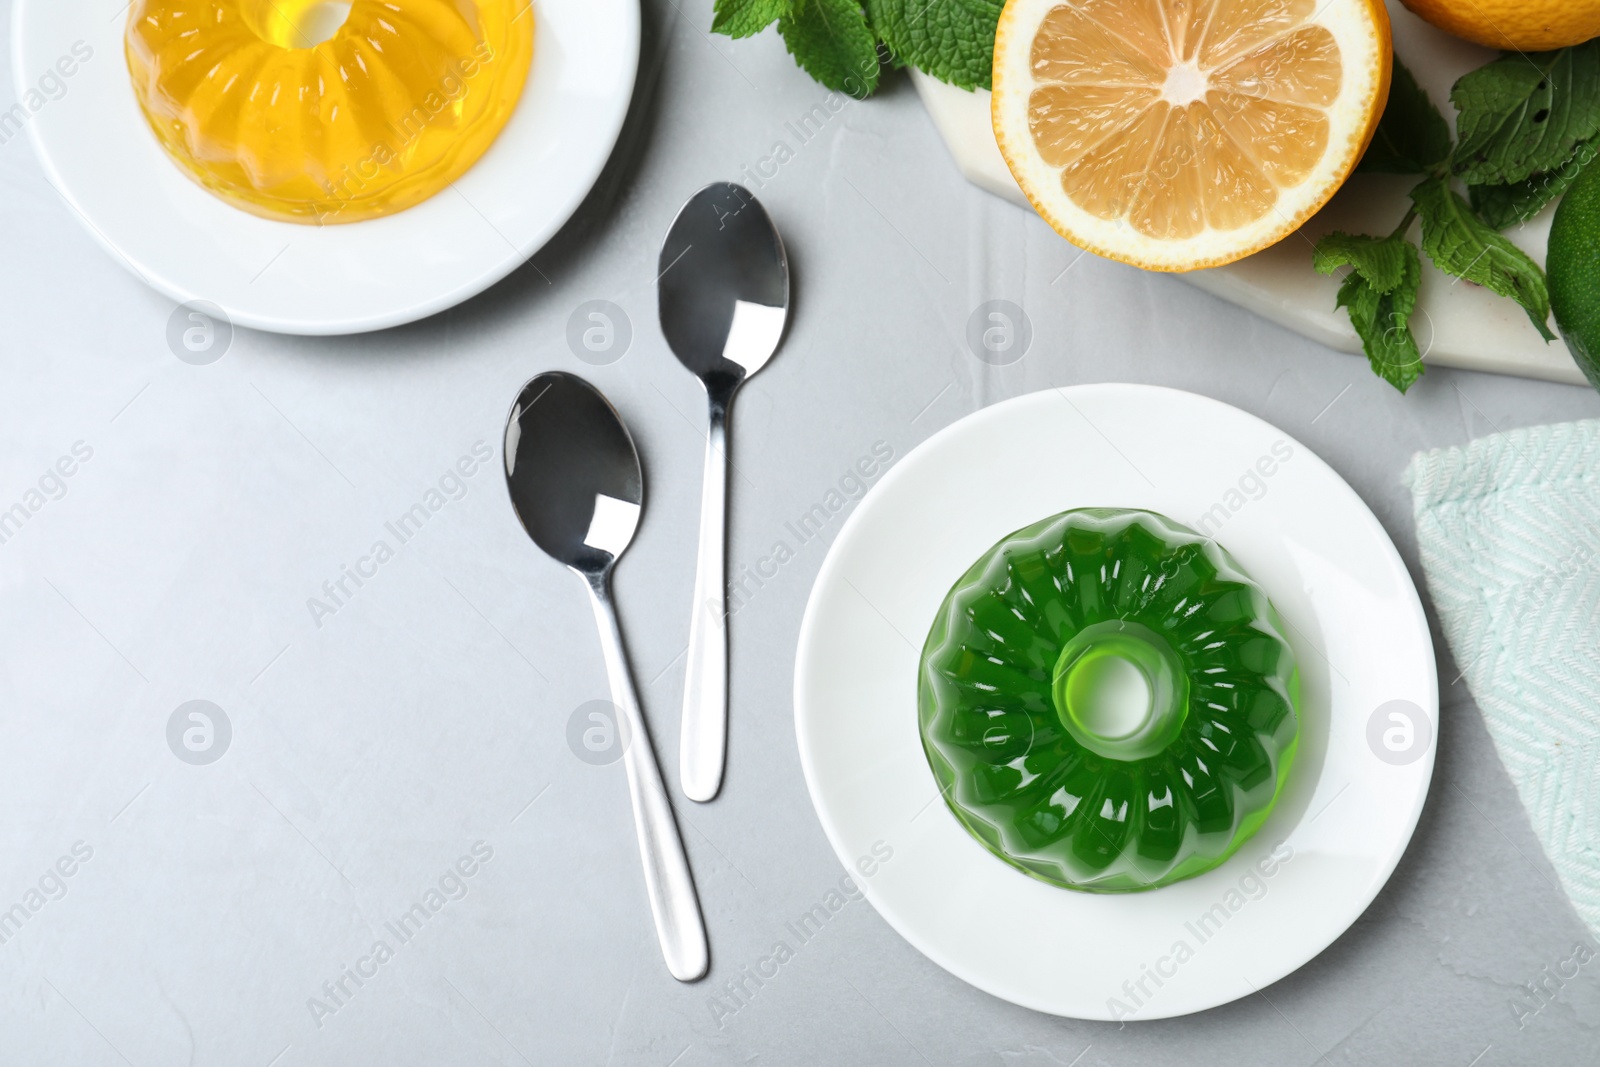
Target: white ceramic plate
{"type": "Point", "coordinates": [1358, 630]}
{"type": "Point", "coordinates": [1459, 325]}
{"type": "Point", "coordinates": [102, 158]}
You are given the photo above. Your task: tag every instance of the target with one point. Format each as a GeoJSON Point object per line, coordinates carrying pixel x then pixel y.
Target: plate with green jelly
{"type": "Point", "coordinates": [1117, 700]}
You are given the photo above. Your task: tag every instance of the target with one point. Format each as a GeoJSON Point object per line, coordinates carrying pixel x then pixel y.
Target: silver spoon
{"type": "Point", "coordinates": [576, 484]}
{"type": "Point", "coordinates": [724, 300]}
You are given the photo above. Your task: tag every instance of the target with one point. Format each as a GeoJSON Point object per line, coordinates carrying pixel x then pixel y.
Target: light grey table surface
{"type": "Point", "coordinates": [374, 746]}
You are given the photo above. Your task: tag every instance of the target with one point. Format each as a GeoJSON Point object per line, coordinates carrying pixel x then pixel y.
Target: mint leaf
{"type": "Point", "coordinates": [745, 18]}
{"type": "Point", "coordinates": [831, 41]}
{"type": "Point", "coordinates": [1381, 261]}
{"type": "Point", "coordinates": [1506, 205]}
{"type": "Point", "coordinates": [1383, 321]}
{"type": "Point", "coordinates": [1380, 293]}
{"type": "Point", "coordinates": [1525, 114]}
{"type": "Point", "coordinates": [1461, 244]}
{"type": "Point", "coordinates": [1412, 137]}
{"type": "Point", "coordinates": [953, 40]}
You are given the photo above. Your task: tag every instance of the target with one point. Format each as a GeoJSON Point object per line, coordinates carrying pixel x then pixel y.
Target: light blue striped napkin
{"type": "Point", "coordinates": [1509, 528]}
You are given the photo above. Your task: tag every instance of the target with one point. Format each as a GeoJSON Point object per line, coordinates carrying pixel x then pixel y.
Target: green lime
{"type": "Point", "coordinates": [1573, 266]}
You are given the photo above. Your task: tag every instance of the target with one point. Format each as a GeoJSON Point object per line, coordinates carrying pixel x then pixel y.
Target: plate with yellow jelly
{"type": "Point", "coordinates": [1116, 701]}
{"type": "Point", "coordinates": [320, 167]}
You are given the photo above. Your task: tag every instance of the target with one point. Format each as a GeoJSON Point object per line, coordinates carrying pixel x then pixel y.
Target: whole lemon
{"type": "Point", "coordinates": [1514, 25]}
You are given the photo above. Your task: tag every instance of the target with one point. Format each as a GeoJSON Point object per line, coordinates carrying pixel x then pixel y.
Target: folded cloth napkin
{"type": "Point", "coordinates": [1509, 528]}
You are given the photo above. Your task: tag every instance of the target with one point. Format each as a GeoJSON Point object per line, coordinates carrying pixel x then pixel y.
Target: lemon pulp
{"type": "Point", "coordinates": [1176, 117]}
{"type": "Point", "coordinates": [283, 110]}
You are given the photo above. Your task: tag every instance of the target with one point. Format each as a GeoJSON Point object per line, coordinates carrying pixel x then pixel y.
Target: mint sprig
{"type": "Point", "coordinates": [842, 43]}
{"type": "Point", "coordinates": [1412, 137]}
{"type": "Point", "coordinates": [953, 40]}
{"type": "Point", "coordinates": [1462, 244]}
{"type": "Point", "coordinates": [1380, 260]}
{"type": "Point", "coordinates": [832, 42]}
{"type": "Point", "coordinates": [1506, 205]}
{"type": "Point", "coordinates": [1526, 114]}
{"type": "Point", "coordinates": [746, 18]}
{"type": "Point", "coordinates": [1507, 138]}
{"type": "Point", "coordinates": [1379, 293]}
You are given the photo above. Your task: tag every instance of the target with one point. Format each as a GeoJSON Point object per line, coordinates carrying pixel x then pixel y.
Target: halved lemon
{"type": "Point", "coordinates": [1180, 134]}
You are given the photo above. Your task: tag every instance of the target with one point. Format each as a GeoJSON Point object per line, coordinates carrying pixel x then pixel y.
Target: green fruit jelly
{"type": "Point", "coordinates": [1108, 702]}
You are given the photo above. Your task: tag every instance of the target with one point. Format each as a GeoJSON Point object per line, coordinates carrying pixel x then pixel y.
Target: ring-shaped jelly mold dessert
{"type": "Point", "coordinates": [1108, 701]}
{"type": "Point", "coordinates": [400, 100]}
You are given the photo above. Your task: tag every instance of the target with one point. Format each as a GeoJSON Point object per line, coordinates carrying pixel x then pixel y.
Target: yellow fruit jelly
{"type": "Point", "coordinates": [401, 100]}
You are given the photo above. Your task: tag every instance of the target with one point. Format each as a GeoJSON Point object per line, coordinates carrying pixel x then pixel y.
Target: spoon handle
{"type": "Point", "coordinates": [667, 879]}
{"type": "Point", "coordinates": [703, 746]}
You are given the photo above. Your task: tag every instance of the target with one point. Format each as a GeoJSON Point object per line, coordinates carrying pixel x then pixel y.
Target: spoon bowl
{"type": "Point", "coordinates": [573, 472]}
{"type": "Point", "coordinates": [723, 293]}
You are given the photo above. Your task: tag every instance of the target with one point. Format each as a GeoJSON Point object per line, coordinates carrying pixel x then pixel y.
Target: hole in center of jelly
{"type": "Point", "coordinates": [1109, 695]}
{"type": "Point", "coordinates": [296, 23]}
{"type": "Point", "coordinates": [1120, 690]}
